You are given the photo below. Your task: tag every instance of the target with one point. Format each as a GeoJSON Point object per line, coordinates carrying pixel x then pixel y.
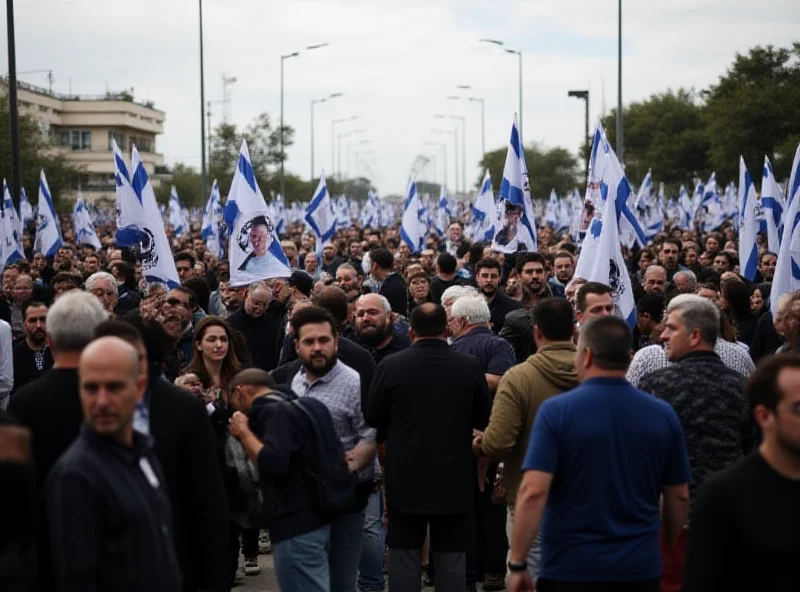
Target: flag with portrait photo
{"type": "Point", "coordinates": [10, 235]}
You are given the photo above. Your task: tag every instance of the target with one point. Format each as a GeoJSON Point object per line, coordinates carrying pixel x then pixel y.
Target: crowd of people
{"type": "Point", "coordinates": [457, 417]}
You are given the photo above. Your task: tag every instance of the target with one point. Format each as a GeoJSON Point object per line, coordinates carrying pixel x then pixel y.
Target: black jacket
{"type": "Point", "coordinates": [25, 370]}
{"type": "Point", "coordinates": [185, 447]}
{"type": "Point", "coordinates": [499, 308]}
{"type": "Point", "coordinates": [263, 335]}
{"type": "Point", "coordinates": [395, 291]}
{"type": "Point", "coordinates": [438, 286]}
{"type": "Point", "coordinates": [765, 338]}
{"type": "Point", "coordinates": [349, 353]}
{"type": "Point", "coordinates": [425, 402]}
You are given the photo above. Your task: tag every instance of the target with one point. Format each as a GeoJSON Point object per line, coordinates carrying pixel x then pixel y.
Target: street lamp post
{"type": "Point", "coordinates": [620, 142]}
{"type": "Point", "coordinates": [463, 150]}
{"type": "Point", "coordinates": [293, 54]}
{"type": "Point", "coordinates": [483, 114]}
{"type": "Point", "coordinates": [13, 112]}
{"type": "Point", "coordinates": [454, 133]}
{"type": "Point", "coordinates": [202, 108]}
{"type": "Point", "coordinates": [334, 123]}
{"type": "Point", "coordinates": [584, 96]}
{"type": "Point", "coordinates": [443, 146]}
{"type": "Point", "coordinates": [519, 56]}
{"type": "Point", "coordinates": [314, 102]}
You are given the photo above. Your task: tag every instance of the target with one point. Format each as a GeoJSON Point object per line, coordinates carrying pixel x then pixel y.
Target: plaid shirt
{"type": "Point", "coordinates": [652, 358]}
{"type": "Point", "coordinates": [340, 391]}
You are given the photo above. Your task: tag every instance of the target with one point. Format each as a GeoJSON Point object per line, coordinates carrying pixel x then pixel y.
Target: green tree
{"type": "Point", "coordinates": [754, 110]}
{"type": "Point", "coordinates": [666, 133]}
{"type": "Point", "coordinates": [36, 154]}
{"type": "Point", "coordinates": [186, 180]}
{"type": "Point", "coordinates": [547, 169]}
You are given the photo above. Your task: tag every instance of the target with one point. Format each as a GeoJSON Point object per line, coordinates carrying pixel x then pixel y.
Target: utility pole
{"type": "Point", "coordinates": [202, 111]}
{"type": "Point", "coordinates": [13, 108]}
{"type": "Point", "coordinates": [620, 141]}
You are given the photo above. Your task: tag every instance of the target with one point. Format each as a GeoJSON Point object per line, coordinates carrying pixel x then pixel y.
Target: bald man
{"type": "Point", "coordinates": [108, 511]}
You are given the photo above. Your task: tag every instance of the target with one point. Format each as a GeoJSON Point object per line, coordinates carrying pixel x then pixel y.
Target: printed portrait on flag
{"type": "Point", "coordinates": [254, 240]}
{"type": "Point", "coordinates": [514, 235]}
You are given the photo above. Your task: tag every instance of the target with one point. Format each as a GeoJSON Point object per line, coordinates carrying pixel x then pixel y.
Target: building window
{"type": "Point", "coordinates": [115, 137]}
{"type": "Point", "coordinates": [142, 144]}
{"type": "Point", "coordinates": [75, 139]}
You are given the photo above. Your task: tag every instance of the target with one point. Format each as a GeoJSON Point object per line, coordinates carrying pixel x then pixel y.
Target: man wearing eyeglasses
{"type": "Point", "coordinates": [104, 286]}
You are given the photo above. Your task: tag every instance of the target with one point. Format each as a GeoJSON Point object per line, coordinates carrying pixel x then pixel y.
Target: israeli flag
{"type": "Point", "coordinates": [25, 208]}
{"type": "Point", "coordinates": [210, 230]}
{"type": "Point", "coordinates": [519, 231]}
{"type": "Point", "coordinates": [787, 269]}
{"type": "Point", "coordinates": [10, 233]}
{"type": "Point", "coordinates": [645, 192]}
{"type": "Point", "coordinates": [177, 219]}
{"type": "Point", "coordinates": [48, 230]}
{"type": "Point", "coordinates": [342, 212]}
{"type": "Point", "coordinates": [443, 211]}
{"type": "Point", "coordinates": [255, 251]}
{"type": "Point", "coordinates": [748, 224]}
{"type": "Point", "coordinates": [484, 212]}
{"type": "Point", "coordinates": [714, 210]}
{"type": "Point", "coordinates": [320, 216]}
{"type": "Point", "coordinates": [551, 211]}
{"type": "Point", "coordinates": [84, 229]}
{"type": "Point", "coordinates": [279, 209]}
{"type": "Point", "coordinates": [772, 202]}
{"type": "Point", "coordinates": [412, 231]}
{"type": "Point", "coordinates": [604, 262]}
{"type": "Point", "coordinates": [687, 209]}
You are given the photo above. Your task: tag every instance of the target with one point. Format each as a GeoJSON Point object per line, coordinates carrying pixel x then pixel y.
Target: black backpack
{"type": "Point", "coordinates": [333, 486]}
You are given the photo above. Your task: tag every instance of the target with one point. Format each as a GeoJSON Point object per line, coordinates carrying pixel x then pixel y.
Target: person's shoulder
{"type": "Point", "coordinates": [354, 350]}
{"type": "Point", "coordinates": [41, 388]}
{"type": "Point", "coordinates": [20, 348]}
{"type": "Point", "coordinates": [176, 396]}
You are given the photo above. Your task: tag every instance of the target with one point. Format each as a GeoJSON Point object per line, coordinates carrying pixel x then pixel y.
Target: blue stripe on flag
{"type": "Point", "coordinates": [247, 172]}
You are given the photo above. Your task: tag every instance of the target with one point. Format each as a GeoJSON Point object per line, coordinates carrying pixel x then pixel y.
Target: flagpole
{"type": "Point", "coordinates": [620, 142]}
{"type": "Point", "coordinates": [13, 109]}
{"type": "Point", "coordinates": [202, 110]}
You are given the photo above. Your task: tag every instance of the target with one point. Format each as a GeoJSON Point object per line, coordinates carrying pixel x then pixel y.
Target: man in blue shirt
{"type": "Point", "coordinates": [599, 459]}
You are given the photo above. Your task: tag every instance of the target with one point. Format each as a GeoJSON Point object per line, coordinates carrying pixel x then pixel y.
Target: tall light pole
{"type": "Point", "coordinates": [314, 102]}
{"type": "Point", "coordinates": [13, 110]}
{"type": "Point", "coordinates": [454, 133]}
{"type": "Point", "coordinates": [483, 115]}
{"type": "Point", "coordinates": [334, 123]}
{"type": "Point", "coordinates": [620, 142]}
{"type": "Point", "coordinates": [463, 147]}
{"type": "Point", "coordinates": [339, 148]}
{"type": "Point", "coordinates": [519, 57]}
{"type": "Point", "coordinates": [293, 54]}
{"type": "Point", "coordinates": [202, 110]}
{"type": "Point", "coordinates": [443, 146]}
{"type": "Point", "coordinates": [584, 96]}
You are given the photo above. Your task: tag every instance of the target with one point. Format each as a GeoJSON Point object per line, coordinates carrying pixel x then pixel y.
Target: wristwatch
{"type": "Point", "coordinates": [514, 566]}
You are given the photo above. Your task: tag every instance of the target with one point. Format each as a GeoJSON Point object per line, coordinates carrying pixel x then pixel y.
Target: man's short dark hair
{"type": "Point", "coordinates": [652, 304]}
{"type": "Point", "coordinates": [675, 241]}
{"type": "Point", "coordinates": [189, 292]}
{"type": "Point", "coordinates": [252, 377]}
{"type": "Point", "coordinates": [446, 263]}
{"type": "Point", "coordinates": [553, 316]}
{"type": "Point", "coordinates": [122, 329]}
{"type": "Point", "coordinates": [311, 316]}
{"type": "Point", "coordinates": [527, 257]}
{"type": "Point", "coordinates": [184, 256]}
{"type": "Point", "coordinates": [302, 281]}
{"type": "Point", "coordinates": [463, 249]}
{"type": "Point", "coordinates": [488, 263]}
{"type": "Point", "coordinates": [392, 243]}
{"type": "Point", "coordinates": [590, 288]}
{"type": "Point", "coordinates": [428, 320]}
{"type": "Point", "coordinates": [609, 340]}
{"type": "Point", "coordinates": [766, 253]}
{"type": "Point", "coordinates": [382, 258]}
{"type": "Point", "coordinates": [199, 286]}
{"type": "Point", "coordinates": [63, 277]}
{"type": "Point", "coordinates": [564, 254]}
{"type": "Point", "coordinates": [334, 300]}
{"type": "Point", "coordinates": [762, 386]}
{"type": "Point", "coordinates": [569, 248]}
{"type": "Point", "coordinates": [476, 252]}
{"type": "Point", "coordinates": [731, 260]}
{"type": "Point", "coordinates": [30, 304]}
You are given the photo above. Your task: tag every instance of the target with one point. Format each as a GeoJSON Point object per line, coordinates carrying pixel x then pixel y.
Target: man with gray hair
{"type": "Point", "coordinates": [50, 406]}
{"type": "Point", "coordinates": [104, 285]}
{"type": "Point", "coordinates": [260, 323]}
{"type": "Point", "coordinates": [709, 400]}
{"type": "Point", "coordinates": [685, 282]}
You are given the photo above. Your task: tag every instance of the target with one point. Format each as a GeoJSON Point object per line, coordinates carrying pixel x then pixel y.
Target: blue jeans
{"type": "Point", "coordinates": [301, 563]}
{"type": "Point", "coordinates": [344, 551]}
{"type": "Point", "coordinates": [370, 567]}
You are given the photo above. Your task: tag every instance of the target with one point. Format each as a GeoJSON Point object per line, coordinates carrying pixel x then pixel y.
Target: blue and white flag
{"type": "Point", "coordinates": [551, 210]}
{"type": "Point", "coordinates": [25, 208]}
{"type": "Point", "coordinates": [48, 230]}
{"type": "Point", "coordinates": [177, 219]}
{"type": "Point", "coordinates": [519, 230]}
{"type": "Point", "coordinates": [687, 209]}
{"type": "Point", "coordinates": [320, 216]}
{"type": "Point", "coordinates": [342, 212]}
{"type": "Point", "coordinates": [412, 229]}
{"type": "Point", "coordinates": [210, 231]}
{"type": "Point", "coordinates": [10, 234]}
{"type": "Point", "coordinates": [370, 213]}
{"type": "Point", "coordinates": [643, 196]}
{"type": "Point", "coordinates": [279, 212]}
{"type": "Point", "coordinates": [604, 262]}
{"type": "Point", "coordinates": [772, 202]}
{"type": "Point", "coordinates": [787, 269]}
{"type": "Point", "coordinates": [255, 252]}
{"type": "Point", "coordinates": [484, 212]}
{"type": "Point", "coordinates": [748, 224]}
{"type": "Point", "coordinates": [443, 212]}
{"type": "Point", "coordinates": [139, 222]}
{"type": "Point", "coordinates": [84, 228]}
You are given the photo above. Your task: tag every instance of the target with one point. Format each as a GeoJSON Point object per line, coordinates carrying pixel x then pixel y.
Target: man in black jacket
{"type": "Point", "coordinates": [32, 356]}
{"type": "Point", "coordinates": [259, 321]}
{"type": "Point", "coordinates": [391, 284]}
{"type": "Point", "coordinates": [280, 441]}
{"type": "Point", "coordinates": [425, 402]}
{"type": "Point", "coordinates": [488, 273]}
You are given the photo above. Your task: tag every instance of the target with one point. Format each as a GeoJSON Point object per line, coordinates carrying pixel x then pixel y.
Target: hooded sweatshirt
{"type": "Point", "coordinates": [549, 372]}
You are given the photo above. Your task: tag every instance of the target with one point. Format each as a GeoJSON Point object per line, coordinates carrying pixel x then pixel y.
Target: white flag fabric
{"type": "Point", "coordinates": [604, 262]}
{"type": "Point", "coordinates": [212, 214]}
{"type": "Point", "coordinates": [180, 226]}
{"type": "Point", "coordinates": [84, 228]}
{"type": "Point", "coordinates": [412, 229]}
{"type": "Point", "coordinates": [519, 230]}
{"type": "Point", "coordinates": [320, 215]}
{"type": "Point", "coordinates": [25, 208]}
{"type": "Point", "coordinates": [443, 211]}
{"type": "Point", "coordinates": [787, 270]}
{"type": "Point", "coordinates": [48, 230]}
{"type": "Point", "coordinates": [748, 223]}
{"type": "Point", "coordinates": [772, 202]}
{"type": "Point", "coordinates": [10, 235]}
{"type": "Point", "coordinates": [643, 196]}
{"type": "Point", "coordinates": [255, 251]}
{"type": "Point", "coordinates": [484, 212]}
{"type": "Point", "coordinates": [370, 213]}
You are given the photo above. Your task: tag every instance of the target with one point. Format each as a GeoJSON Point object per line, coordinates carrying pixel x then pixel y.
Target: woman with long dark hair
{"type": "Point", "coordinates": [214, 361]}
{"type": "Point", "coordinates": [736, 303]}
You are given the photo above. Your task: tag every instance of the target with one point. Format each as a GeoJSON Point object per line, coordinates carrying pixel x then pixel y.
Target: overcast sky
{"type": "Point", "coordinates": [394, 61]}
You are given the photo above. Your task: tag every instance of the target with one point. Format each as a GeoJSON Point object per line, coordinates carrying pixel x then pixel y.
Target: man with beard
{"type": "Point", "coordinates": [374, 327]}
{"type": "Point", "coordinates": [325, 378]}
{"type": "Point", "coordinates": [10, 275]}
{"type": "Point", "coordinates": [766, 266]}
{"type": "Point", "coordinates": [330, 259]}
{"type": "Point", "coordinates": [532, 274]}
{"type": "Point", "coordinates": [356, 252]}
{"type": "Point", "coordinates": [488, 280]}
{"type": "Point", "coordinates": [225, 300]}
{"type": "Point", "coordinates": [20, 294]}
{"type": "Point", "coordinates": [564, 268]}
{"type": "Point", "coordinates": [32, 357]}
{"type": "Point", "coordinates": [349, 279]}
{"type": "Point", "coordinates": [259, 322]}
{"type": "Point", "coordinates": [175, 317]}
